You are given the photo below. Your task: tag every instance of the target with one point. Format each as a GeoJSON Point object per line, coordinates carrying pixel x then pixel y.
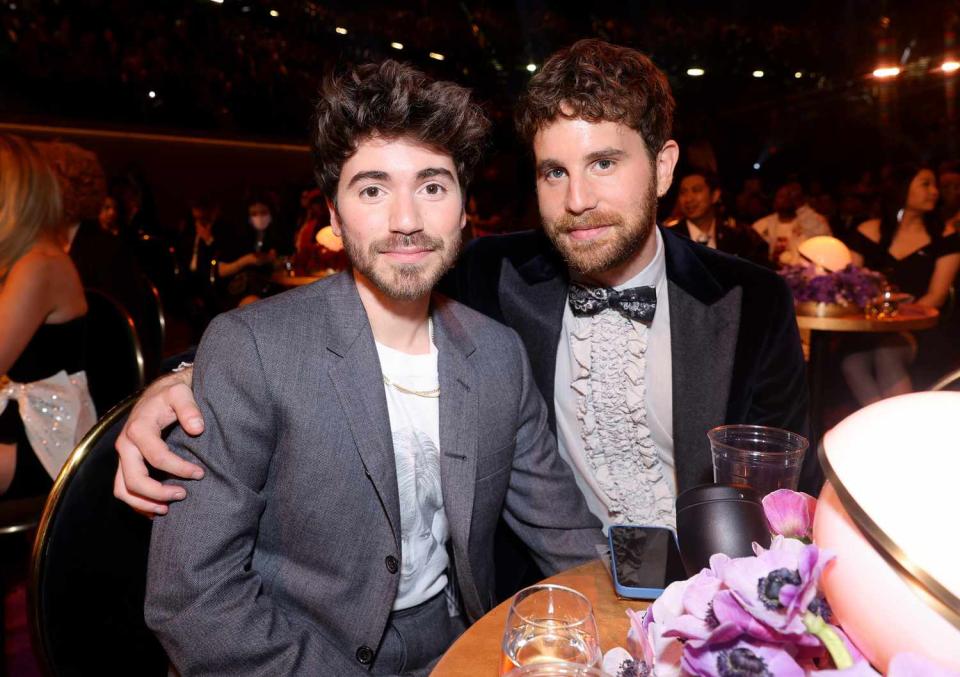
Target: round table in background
{"type": "Point", "coordinates": [910, 317]}
{"type": "Point", "coordinates": [477, 651]}
{"type": "Point", "coordinates": [281, 278]}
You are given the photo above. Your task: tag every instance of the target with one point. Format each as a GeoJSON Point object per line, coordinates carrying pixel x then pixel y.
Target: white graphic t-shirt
{"type": "Point", "coordinates": [415, 424]}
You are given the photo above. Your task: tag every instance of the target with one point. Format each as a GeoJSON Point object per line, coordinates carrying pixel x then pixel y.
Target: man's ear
{"type": "Point", "coordinates": [715, 196]}
{"type": "Point", "coordinates": [334, 218]}
{"type": "Point", "coordinates": [665, 164]}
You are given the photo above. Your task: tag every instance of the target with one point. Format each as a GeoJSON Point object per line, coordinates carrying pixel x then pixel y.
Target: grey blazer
{"type": "Point", "coordinates": [282, 561]}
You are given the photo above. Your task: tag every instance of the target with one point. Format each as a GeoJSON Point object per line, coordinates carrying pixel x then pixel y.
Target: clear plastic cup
{"type": "Point", "coordinates": [761, 458]}
{"type": "Point", "coordinates": [557, 670]}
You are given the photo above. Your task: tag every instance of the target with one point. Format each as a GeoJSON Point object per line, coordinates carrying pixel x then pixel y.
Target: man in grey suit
{"type": "Point", "coordinates": [363, 435]}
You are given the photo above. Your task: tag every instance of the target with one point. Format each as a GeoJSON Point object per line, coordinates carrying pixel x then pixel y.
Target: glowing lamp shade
{"type": "Point", "coordinates": [326, 238]}
{"type": "Point", "coordinates": [828, 253]}
{"type": "Point", "coordinates": [889, 513]}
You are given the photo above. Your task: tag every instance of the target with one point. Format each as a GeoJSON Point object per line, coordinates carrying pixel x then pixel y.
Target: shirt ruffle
{"type": "Point", "coordinates": [609, 366]}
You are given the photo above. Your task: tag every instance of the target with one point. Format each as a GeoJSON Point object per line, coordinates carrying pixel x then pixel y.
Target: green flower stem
{"type": "Point", "coordinates": [831, 640]}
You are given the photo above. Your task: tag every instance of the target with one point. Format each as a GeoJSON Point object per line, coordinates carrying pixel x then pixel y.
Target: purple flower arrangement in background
{"type": "Point", "coordinates": [760, 616]}
{"type": "Point", "coordinates": [852, 285]}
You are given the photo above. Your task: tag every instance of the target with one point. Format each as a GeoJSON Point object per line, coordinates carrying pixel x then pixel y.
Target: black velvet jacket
{"type": "Point", "coordinates": [734, 341]}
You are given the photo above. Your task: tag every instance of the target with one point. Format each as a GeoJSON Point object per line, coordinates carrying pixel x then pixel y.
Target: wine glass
{"type": "Point", "coordinates": [550, 623]}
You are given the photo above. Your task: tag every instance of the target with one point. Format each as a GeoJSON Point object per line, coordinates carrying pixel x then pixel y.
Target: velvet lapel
{"type": "Point", "coordinates": [358, 382]}
{"type": "Point", "coordinates": [459, 413]}
{"type": "Point", "coordinates": [704, 321]}
{"type": "Point", "coordinates": [531, 299]}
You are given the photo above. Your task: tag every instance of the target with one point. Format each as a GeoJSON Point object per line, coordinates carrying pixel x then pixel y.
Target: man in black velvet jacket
{"type": "Point", "coordinates": [721, 346]}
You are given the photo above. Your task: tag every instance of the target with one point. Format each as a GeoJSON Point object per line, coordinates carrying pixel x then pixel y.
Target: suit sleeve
{"type": "Point", "coordinates": [780, 395]}
{"type": "Point", "coordinates": [544, 506]}
{"type": "Point", "coordinates": [204, 601]}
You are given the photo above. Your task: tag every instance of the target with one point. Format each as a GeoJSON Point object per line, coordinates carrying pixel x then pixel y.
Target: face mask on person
{"type": "Point", "coordinates": [260, 221]}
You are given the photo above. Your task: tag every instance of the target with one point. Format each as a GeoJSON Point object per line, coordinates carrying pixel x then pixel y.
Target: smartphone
{"type": "Point", "coordinates": [645, 560]}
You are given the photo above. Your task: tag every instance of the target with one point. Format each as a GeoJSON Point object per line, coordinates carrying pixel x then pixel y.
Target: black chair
{"type": "Point", "coordinates": [88, 571]}
{"type": "Point", "coordinates": [151, 326]}
{"type": "Point", "coordinates": [114, 357]}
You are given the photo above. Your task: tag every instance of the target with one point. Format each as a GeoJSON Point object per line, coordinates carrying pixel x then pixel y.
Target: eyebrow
{"type": "Point", "coordinates": [610, 152]}
{"type": "Point", "coordinates": [372, 174]}
{"type": "Point", "coordinates": [430, 172]}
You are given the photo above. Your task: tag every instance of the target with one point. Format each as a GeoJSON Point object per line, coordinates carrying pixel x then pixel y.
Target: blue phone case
{"type": "Point", "coordinates": [627, 591]}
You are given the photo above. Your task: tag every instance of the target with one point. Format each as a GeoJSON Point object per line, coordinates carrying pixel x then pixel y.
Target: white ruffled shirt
{"type": "Point", "coordinates": [614, 404]}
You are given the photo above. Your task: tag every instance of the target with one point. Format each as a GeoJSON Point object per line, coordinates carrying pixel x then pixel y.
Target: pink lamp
{"type": "Point", "coordinates": [889, 511]}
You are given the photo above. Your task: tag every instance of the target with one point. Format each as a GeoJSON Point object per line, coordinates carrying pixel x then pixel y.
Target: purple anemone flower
{"type": "Point", "coordinates": [777, 586]}
{"type": "Point", "coordinates": [790, 513]}
{"type": "Point", "coordinates": [741, 658]}
{"type": "Point", "coordinates": [699, 623]}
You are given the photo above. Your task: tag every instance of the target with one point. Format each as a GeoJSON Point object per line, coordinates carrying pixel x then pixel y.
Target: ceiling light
{"type": "Point", "coordinates": [152, 94]}
{"type": "Point", "coordinates": [341, 30]}
{"type": "Point", "coordinates": [886, 72]}
{"type": "Point", "coordinates": [758, 74]}
{"type": "Point", "coordinates": [798, 75]}
{"type": "Point", "coordinates": [532, 67]}
{"type": "Point", "coordinates": [950, 66]}
{"type": "Point", "coordinates": [695, 72]}
{"type": "Point", "coordinates": [436, 55]}
{"type": "Point", "coordinates": [396, 45]}
{"type": "Point", "coordinates": [274, 13]}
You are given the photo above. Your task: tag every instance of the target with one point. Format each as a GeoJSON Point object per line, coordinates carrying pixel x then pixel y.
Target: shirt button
{"type": "Point", "coordinates": [392, 564]}
{"type": "Point", "coordinates": [365, 655]}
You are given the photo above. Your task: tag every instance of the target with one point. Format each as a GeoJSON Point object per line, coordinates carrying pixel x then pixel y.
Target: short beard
{"type": "Point", "coordinates": [406, 281]}
{"type": "Point", "coordinates": [591, 258]}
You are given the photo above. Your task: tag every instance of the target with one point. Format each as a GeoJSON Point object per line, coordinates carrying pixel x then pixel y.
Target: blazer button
{"type": "Point", "coordinates": [392, 564]}
{"type": "Point", "coordinates": [365, 655]}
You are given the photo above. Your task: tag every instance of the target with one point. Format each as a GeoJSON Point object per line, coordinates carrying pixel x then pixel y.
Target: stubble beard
{"type": "Point", "coordinates": [627, 238]}
{"type": "Point", "coordinates": [403, 281]}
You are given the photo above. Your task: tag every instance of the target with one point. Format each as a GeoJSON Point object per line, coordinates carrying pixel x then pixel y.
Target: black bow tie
{"type": "Point", "coordinates": [636, 303]}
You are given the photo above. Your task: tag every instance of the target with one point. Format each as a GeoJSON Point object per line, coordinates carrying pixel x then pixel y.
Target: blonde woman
{"type": "Point", "coordinates": [43, 397]}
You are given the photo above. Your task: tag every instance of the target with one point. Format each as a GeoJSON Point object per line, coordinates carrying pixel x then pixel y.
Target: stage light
{"type": "Point", "coordinates": [886, 72]}
{"type": "Point", "coordinates": [437, 56]}
{"type": "Point", "coordinates": [695, 72]}
{"type": "Point", "coordinates": [274, 13]}
{"type": "Point", "coordinates": [950, 66]}
{"type": "Point", "coordinates": [758, 74]}
{"type": "Point", "coordinates": [532, 67]}
{"type": "Point", "coordinates": [396, 45]}
{"type": "Point", "coordinates": [341, 30]}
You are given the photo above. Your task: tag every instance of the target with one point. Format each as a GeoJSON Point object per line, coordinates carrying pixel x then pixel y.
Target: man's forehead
{"type": "Point", "coordinates": [555, 137]}
{"type": "Point", "coordinates": [397, 147]}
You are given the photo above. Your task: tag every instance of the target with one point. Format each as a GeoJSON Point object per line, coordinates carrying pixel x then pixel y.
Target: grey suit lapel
{"type": "Point", "coordinates": [703, 339]}
{"type": "Point", "coordinates": [358, 382]}
{"type": "Point", "coordinates": [459, 412]}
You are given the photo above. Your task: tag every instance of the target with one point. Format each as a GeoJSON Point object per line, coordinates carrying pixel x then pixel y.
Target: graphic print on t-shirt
{"type": "Point", "coordinates": [422, 520]}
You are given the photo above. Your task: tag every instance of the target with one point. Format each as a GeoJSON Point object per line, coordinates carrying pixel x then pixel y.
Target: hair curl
{"type": "Point", "coordinates": [394, 100]}
{"type": "Point", "coordinates": [598, 81]}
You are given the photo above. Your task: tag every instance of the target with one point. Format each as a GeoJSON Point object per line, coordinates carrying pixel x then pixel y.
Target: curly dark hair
{"type": "Point", "coordinates": [394, 100]}
{"type": "Point", "coordinates": [599, 81]}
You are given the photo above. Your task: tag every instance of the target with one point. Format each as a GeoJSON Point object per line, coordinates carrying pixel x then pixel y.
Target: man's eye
{"type": "Point", "coordinates": [434, 189]}
{"type": "Point", "coordinates": [604, 164]}
{"type": "Point", "coordinates": [370, 191]}
{"type": "Point", "coordinates": [555, 173]}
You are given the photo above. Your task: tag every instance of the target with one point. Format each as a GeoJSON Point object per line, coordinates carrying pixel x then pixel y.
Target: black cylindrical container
{"type": "Point", "coordinates": [714, 518]}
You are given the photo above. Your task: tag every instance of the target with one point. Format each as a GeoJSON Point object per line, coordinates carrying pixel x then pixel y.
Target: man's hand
{"type": "Point", "coordinates": [167, 400]}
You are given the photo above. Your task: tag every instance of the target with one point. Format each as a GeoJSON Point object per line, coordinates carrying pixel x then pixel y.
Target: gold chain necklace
{"type": "Point", "coordinates": [433, 393]}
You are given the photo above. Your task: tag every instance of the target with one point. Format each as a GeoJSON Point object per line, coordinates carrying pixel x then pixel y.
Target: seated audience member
{"type": "Point", "coordinates": [103, 260]}
{"type": "Point", "coordinates": [256, 245]}
{"type": "Point", "coordinates": [42, 314]}
{"type": "Point", "coordinates": [703, 220]}
{"type": "Point", "coordinates": [111, 217]}
{"type": "Point", "coordinates": [363, 435]}
{"type": "Point", "coordinates": [949, 183]}
{"type": "Point", "coordinates": [919, 255]}
{"type": "Point", "coordinates": [792, 222]}
{"type": "Point", "coordinates": [308, 256]}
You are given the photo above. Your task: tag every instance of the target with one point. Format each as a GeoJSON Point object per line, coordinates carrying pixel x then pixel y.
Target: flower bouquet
{"type": "Point", "coordinates": [760, 616]}
{"type": "Point", "coordinates": [829, 294]}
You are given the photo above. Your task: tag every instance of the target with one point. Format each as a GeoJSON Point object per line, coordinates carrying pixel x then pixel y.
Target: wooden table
{"type": "Point", "coordinates": [477, 652]}
{"type": "Point", "coordinates": [910, 317]}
